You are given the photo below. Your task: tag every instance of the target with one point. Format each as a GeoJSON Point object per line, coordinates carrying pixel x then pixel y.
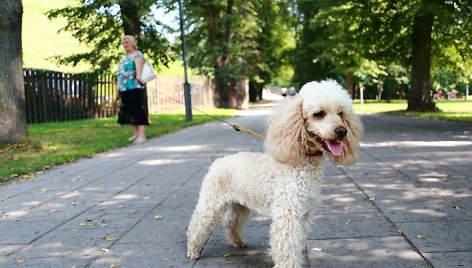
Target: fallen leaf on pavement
{"type": "Point", "coordinates": [109, 238]}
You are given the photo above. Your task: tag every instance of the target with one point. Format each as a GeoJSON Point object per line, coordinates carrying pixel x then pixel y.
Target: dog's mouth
{"type": "Point", "coordinates": [333, 146]}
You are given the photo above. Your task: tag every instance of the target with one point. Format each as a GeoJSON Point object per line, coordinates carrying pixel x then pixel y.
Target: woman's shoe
{"type": "Point", "coordinates": [139, 140]}
{"type": "Point", "coordinates": [131, 139]}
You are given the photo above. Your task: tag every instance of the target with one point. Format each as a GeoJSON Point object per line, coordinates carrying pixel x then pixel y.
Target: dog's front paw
{"type": "Point", "coordinates": [193, 253]}
{"type": "Point", "coordinates": [239, 243]}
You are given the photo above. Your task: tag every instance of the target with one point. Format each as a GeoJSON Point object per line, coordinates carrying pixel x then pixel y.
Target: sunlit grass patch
{"type": "Point", "coordinates": [371, 107]}
{"type": "Point", "coordinates": [453, 110]}
{"type": "Point", "coordinates": [50, 144]}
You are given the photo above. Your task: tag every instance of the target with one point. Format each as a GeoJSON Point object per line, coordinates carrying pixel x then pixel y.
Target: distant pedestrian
{"type": "Point", "coordinates": [292, 92]}
{"type": "Point", "coordinates": [131, 90]}
{"type": "Point", "coordinates": [284, 92]}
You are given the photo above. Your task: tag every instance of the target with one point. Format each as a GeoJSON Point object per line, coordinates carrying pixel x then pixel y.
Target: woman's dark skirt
{"type": "Point", "coordinates": [133, 107]}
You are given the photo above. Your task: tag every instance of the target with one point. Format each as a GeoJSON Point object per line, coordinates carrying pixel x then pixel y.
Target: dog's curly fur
{"type": "Point", "coordinates": [284, 182]}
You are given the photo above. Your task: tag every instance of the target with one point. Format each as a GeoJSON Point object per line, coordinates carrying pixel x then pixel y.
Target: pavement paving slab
{"type": "Point", "coordinates": [386, 251]}
{"type": "Point", "coordinates": [406, 203]}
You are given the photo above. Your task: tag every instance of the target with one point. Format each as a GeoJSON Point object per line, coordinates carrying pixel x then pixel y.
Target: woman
{"type": "Point", "coordinates": [131, 90]}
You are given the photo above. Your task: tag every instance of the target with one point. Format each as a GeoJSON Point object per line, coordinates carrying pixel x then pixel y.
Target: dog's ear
{"type": "Point", "coordinates": [351, 143]}
{"type": "Point", "coordinates": [286, 132]}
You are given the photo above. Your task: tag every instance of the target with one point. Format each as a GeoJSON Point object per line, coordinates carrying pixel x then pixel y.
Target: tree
{"type": "Point", "coordinates": [336, 48]}
{"type": "Point", "coordinates": [452, 54]}
{"type": "Point", "coordinates": [211, 42]}
{"type": "Point", "coordinates": [12, 102]}
{"type": "Point", "coordinates": [410, 33]}
{"type": "Point", "coordinates": [399, 32]}
{"type": "Point", "coordinates": [233, 40]}
{"type": "Point", "coordinates": [101, 23]}
{"type": "Point", "coordinates": [451, 72]}
{"type": "Point", "coordinates": [338, 41]}
{"type": "Point", "coordinates": [307, 65]}
{"type": "Point", "coordinates": [435, 25]}
{"type": "Point", "coordinates": [274, 41]}
{"type": "Point", "coordinates": [420, 96]}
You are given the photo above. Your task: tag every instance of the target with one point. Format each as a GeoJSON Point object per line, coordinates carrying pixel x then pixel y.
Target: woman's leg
{"type": "Point", "coordinates": [140, 131]}
{"type": "Point", "coordinates": [135, 133]}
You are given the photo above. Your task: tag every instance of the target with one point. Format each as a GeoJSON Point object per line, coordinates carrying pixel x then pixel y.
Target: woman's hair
{"type": "Point", "coordinates": [131, 39]}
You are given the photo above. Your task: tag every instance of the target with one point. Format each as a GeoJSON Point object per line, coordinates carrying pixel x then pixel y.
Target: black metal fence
{"type": "Point", "coordinates": [55, 96]}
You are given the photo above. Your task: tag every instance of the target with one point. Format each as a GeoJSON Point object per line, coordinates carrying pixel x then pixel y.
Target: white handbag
{"type": "Point", "coordinates": [147, 74]}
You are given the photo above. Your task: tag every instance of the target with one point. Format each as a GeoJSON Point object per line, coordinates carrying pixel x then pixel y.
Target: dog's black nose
{"type": "Point", "coordinates": [340, 132]}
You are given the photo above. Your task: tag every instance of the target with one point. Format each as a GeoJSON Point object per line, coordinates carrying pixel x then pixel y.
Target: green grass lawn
{"type": "Point", "coordinates": [41, 37]}
{"type": "Point", "coordinates": [50, 144]}
{"type": "Point", "coordinates": [457, 110]}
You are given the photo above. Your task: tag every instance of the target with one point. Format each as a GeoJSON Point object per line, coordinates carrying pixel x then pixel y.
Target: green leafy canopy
{"type": "Point", "coordinates": [100, 24]}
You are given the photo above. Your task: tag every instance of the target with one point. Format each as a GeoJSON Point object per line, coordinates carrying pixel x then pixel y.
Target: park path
{"type": "Point", "coordinates": [407, 203]}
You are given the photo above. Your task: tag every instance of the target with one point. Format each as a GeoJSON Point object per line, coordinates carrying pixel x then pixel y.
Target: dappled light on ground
{"type": "Point", "coordinates": [157, 162]}
{"type": "Point", "coordinates": [410, 192]}
{"type": "Point", "coordinates": [416, 144]}
{"type": "Point", "coordinates": [183, 148]}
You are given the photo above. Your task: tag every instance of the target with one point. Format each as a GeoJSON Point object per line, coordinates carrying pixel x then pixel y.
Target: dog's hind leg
{"type": "Point", "coordinates": [235, 217]}
{"type": "Point", "coordinates": [206, 216]}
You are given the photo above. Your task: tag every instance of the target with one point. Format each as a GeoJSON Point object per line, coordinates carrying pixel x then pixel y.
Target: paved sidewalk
{"type": "Point", "coordinates": [407, 203]}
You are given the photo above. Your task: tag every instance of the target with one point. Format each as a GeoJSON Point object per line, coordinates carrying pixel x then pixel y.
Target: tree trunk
{"type": "Point", "coordinates": [402, 91]}
{"type": "Point", "coordinates": [350, 84]}
{"type": "Point", "coordinates": [12, 98]}
{"type": "Point", "coordinates": [238, 96]}
{"type": "Point", "coordinates": [131, 19]}
{"type": "Point", "coordinates": [220, 38]}
{"type": "Point", "coordinates": [420, 95]}
{"type": "Point", "coordinates": [221, 85]}
{"type": "Point", "coordinates": [229, 87]}
{"type": "Point", "coordinates": [255, 91]}
{"type": "Point", "coordinates": [378, 96]}
{"type": "Point", "coordinates": [221, 88]}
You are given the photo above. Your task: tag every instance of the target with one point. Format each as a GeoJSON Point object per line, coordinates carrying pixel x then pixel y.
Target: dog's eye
{"type": "Point", "coordinates": [340, 114]}
{"type": "Point", "coordinates": [320, 114]}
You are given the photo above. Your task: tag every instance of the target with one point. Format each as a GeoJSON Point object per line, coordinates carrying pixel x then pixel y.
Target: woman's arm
{"type": "Point", "coordinates": [117, 83]}
{"type": "Point", "coordinates": [117, 91]}
{"type": "Point", "coordinates": [139, 62]}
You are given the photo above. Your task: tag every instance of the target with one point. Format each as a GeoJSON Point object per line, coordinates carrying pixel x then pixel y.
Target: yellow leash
{"type": "Point", "coordinates": [236, 127]}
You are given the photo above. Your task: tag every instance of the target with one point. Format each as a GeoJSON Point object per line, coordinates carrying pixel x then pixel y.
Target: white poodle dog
{"type": "Point", "coordinates": [284, 182]}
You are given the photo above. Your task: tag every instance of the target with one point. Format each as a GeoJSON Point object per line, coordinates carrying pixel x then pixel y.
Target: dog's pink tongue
{"type": "Point", "coordinates": [335, 147]}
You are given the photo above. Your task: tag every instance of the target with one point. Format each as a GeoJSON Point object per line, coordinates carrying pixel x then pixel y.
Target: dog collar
{"type": "Point", "coordinates": [315, 153]}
